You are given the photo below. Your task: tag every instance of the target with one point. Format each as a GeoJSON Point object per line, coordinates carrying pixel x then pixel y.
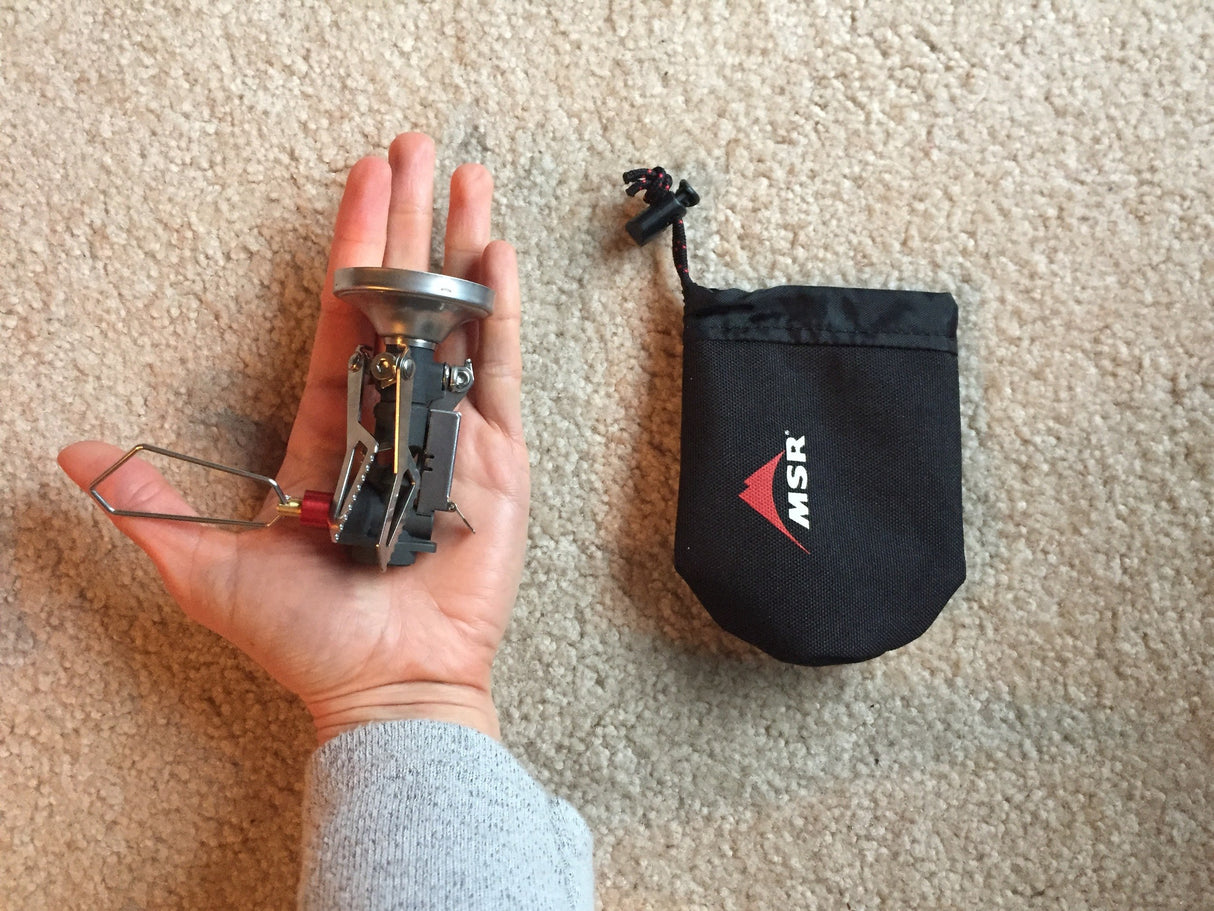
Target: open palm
{"type": "Point", "coordinates": [355, 644]}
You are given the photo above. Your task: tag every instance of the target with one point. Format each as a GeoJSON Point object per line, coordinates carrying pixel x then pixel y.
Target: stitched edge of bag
{"type": "Point", "coordinates": [823, 315]}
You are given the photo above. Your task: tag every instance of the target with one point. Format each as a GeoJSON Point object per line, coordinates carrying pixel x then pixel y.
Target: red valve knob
{"type": "Point", "coordinates": [314, 509]}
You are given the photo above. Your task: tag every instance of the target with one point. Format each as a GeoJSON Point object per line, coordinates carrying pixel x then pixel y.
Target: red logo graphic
{"type": "Point", "coordinates": [759, 494]}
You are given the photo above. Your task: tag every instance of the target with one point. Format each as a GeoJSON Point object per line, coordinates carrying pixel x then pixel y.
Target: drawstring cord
{"type": "Point", "coordinates": [666, 207]}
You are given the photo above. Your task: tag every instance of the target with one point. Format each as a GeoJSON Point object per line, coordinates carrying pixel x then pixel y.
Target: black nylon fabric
{"type": "Point", "coordinates": [805, 314]}
{"type": "Point", "coordinates": [820, 486]}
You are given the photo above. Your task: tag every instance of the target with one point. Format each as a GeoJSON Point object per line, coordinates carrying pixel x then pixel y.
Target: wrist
{"type": "Point", "coordinates": [469, 706]}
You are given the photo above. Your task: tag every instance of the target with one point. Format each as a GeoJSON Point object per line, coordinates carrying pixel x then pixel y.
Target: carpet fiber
{"type": "Point", "coordinates": [168, 181]}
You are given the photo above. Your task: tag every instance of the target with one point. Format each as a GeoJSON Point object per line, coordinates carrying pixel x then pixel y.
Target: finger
{"type": "Point", "coordinates": [175, 547]}
{"type": "Point", "coordinates": [318, 436]}
{"type": "Point", "coordinates": [467, 220]}
{"type": "Point", "coordinates": [412, 207]}
{"type": "Point", "coordinates": [499, 362]}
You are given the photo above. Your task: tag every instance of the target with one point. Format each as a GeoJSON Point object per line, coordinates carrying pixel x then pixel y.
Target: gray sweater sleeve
{"type": "Point", "coordinates": [422, 814]}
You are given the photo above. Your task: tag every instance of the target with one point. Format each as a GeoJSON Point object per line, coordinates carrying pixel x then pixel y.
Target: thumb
{"type": "Point", "coordinates": [176, 548]}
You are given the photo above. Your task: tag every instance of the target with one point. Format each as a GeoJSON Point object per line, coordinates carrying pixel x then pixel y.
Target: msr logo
{"type": "Point", "coordinates": [760, 494]}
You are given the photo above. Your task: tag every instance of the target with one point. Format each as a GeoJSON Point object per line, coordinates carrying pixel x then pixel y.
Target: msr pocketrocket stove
{"type": "Point", "coordinates": [402, 428]}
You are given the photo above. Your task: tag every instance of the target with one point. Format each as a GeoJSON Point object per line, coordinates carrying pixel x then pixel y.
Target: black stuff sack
{"type": "Point", "coordinates": [819, 514]}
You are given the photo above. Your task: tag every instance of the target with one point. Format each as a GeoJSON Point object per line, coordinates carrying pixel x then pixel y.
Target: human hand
{"type": "Point", "coordinates": [355, 644]}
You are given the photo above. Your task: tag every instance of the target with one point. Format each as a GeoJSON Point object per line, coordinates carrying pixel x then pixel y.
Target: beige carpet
{"type": "Point", "coordinates": [168, 180]}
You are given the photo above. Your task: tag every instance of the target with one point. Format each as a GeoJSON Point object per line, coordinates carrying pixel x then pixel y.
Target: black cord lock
{"type": "Point", "coordinates": [666, 207]}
